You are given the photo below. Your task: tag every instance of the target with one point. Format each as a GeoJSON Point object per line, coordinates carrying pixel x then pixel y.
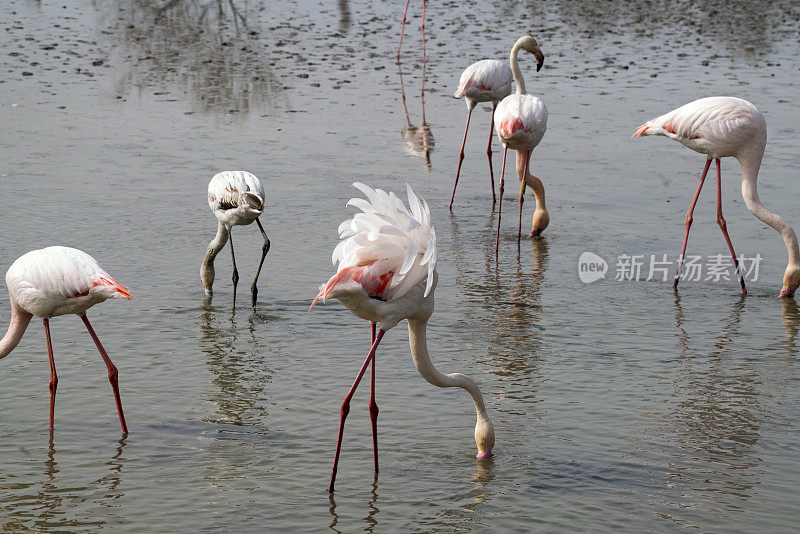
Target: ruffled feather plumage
{"type": "Point", "coordinates": [385, 249]}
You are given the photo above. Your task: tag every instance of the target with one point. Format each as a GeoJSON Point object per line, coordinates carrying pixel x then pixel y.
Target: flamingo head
{"type": "Point", "coordinates": [541, 218]}
{"type": "Point", "coordinates": [484, 437]}
{"type": "Point", "coordinates": [791, 280]}
{"type": "Point", "coordinates": [529, 44]}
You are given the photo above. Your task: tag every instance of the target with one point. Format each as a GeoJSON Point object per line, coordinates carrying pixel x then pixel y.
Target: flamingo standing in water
{"type": "Point", "coordinates": [722, 126]}
{"type": "Point", "coordinates": [488, 80]}
{"type": "Point", "coordinates": [236, 198]}
{"type": "Point", "coordinates": [386, 273]}
{"type": "Point", "coordinates": [56, 281]}
{"type": "Point", "coordinates": [521, 121]}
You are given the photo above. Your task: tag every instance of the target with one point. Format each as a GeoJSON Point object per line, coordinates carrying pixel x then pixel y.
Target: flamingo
{"type": "Point", "coordinates": [236, 198]}
{"type": "Point", "coordinates": [386, 273]}
{"type": "Point", "coordinates": [56, 281]}
{"type": "Point", "coordinates": [521, 121]}
{"type": "Point", "coordinates": [722, 126]}
{"type": "Point", "coordinates": [488, 80]}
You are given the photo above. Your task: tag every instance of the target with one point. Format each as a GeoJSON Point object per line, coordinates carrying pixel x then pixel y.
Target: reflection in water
{"type": "Point", "coordinates": [371, 519]}
{"type": "Point", "coordinates": [791, 323]}
{"type": "Point", "coordinates": [417, 140]}
{"type": "Point", "coordinates": [344, 16]}
{"type": "Point", "coordinates": [506, 303]}
{"type": "Point", "coordinates": [714, 422]}
{"type": "Point", "coordinates": [53, 502]}
{"type": "Point", "coordinates": [205, 47]}
{"type": "Point", "coordinates": [239, 373]}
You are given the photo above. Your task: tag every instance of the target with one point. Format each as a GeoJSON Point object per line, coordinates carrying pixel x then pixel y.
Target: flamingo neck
{"type": "Point", "coordinates": [417, 339]}
{"type": "Point", "coordinates": [533, 181]}
{"type": "Point", "coordinates": [750, 168]}
{"type": "Point", "coordinates": [512, 60]}
{"type": "Point", "coordinates": [20, 319]}
{"type": "Point", "coordinates": [207, 268]}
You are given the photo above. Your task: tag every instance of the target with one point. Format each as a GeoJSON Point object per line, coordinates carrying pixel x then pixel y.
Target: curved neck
{"type": "Point", "coordinates": [20, 319]}
{"type": "Point", "coordinates": [532, 181]}
{"type": "Point", "coordinates": [419, 352]}
{"type": "Point", "coordinates": [750, 167]}
{"type": "Point", "coordinates": [512, 60]}
{"type": "Point", "coordinates": [207, 268]}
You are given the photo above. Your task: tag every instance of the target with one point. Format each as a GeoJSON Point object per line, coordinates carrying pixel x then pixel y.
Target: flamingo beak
{"type": "Point", "coordinates": [484, 454]}
{"type": "Point", "coordinates": [537, 53]}
{"type": "Point", "coordinates": [788, 291]}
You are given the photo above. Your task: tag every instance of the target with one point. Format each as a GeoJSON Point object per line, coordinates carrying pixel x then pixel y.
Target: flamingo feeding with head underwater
{"type": "Point", "coordinates": [386, 273]}
{"type": "Point", "coordinates": [723, 126]}
{"type": "Point", "coordinates": [236, 198]}
{"type": "Point", "coordinates": [488, 80]}
{"type": "Point", "coordinates": [56, 281]}
{"type": "Point", "coordinates": [521, 121]}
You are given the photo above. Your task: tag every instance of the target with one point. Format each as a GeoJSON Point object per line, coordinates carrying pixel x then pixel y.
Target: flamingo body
{"type": "Point", "coordinates": [60, 280]}
{"type": "Point", "coordinates": [236, 197]}
{"type": "Point", "coordinates": [521, 121]}
{"type": "Point", "coordinates": [718, 126]}
{"type": "Point", "coordinates": [488, 80]}
{"type": "Point", "coordinates": [387, 273]}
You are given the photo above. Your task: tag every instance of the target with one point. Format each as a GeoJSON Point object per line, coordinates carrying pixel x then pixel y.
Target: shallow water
{"type": "Point", "coordinates": [617, 404]}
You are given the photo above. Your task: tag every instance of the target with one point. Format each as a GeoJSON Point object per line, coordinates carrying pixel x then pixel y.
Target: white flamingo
{"type": "Point", "coordinates": [718, 127]}
{"type": "Point", "coordinates": [521, 121]}
{"type": "Point", "coordinates": [236, 198]}
{"type": "Point", "coordinates": [386, 273]}
{"type": "Point", "coordinates": [56, 281]}
{"type": "Point", "coordinates": [489, 80]}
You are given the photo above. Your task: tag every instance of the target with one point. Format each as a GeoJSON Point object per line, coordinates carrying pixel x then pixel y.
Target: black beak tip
{"type": "Point", "coordinates": [539, 66]}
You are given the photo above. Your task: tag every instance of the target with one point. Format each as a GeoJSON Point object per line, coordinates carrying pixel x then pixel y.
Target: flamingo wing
{"type": "Point", "coordinates": [521, 117]}
{"type": "Point", "coordinates": [488, 76]}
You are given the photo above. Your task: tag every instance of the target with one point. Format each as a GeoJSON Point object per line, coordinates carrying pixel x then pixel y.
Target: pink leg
{"type": "Point", "coordinates": [500, 207]}
{"type": "Point", "coordinates": [522, 193]}
{"type": "Point", "coordinates": [373, 406]}
{"type": "Point", "coordinates": [689, 220]}
{"type": "Point", "coordinates": [724, 227]}
{"type": "Point", "coordinates": [461, 155]}
{"type": "Point", "coordinates": [53, 376]}
{"type": "Point", "coordinates": [346, 405]}
{"type": "Point", "coordinates": [112, 373]}
{"type": "Point", "coordinates": [489, 152]}
{"type": "Point", "coordinates": [402, 28]}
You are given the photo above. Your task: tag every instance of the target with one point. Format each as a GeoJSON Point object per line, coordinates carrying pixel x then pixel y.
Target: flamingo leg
{"type": "Point", "coordinates": [500, 207]}
{"type": "Point", "coordinates": [346, 405]}
{"type": "Point", "coordinates": [461, 155]}
{"type": "Point", "coordinates": [689, 220]}
{"type": "Point", "coordinates": [112, 372]}
{"type": "Point", "coordinates": [264, 250]}
{"type": "Point", "coordinates": [53, 375]}
{"type": "Point", "coordinates": [235, 276]}
{"type": "Point", "coordinates": [522, 193]}
{"type": "Point", "coordinates": [489, 152]}
{"type": "Point", "coordinates": [373, 406]}
{"type": "Point", "coordinates": [724, 227]}
{"type": "Point", "coordinates": [402, 28]}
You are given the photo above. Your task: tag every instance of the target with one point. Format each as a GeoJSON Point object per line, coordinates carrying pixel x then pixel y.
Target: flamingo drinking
{"type": "Point", "coordinates": [386, 273]}
{"type": "Point", "coordinates": [236, 198]}
{"type": "Point", "coordinates": [520, 121]}
{"type": "Point", "coordinates": [56, 281]}
{"type": "Point", "coordinates": [718, 127]}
